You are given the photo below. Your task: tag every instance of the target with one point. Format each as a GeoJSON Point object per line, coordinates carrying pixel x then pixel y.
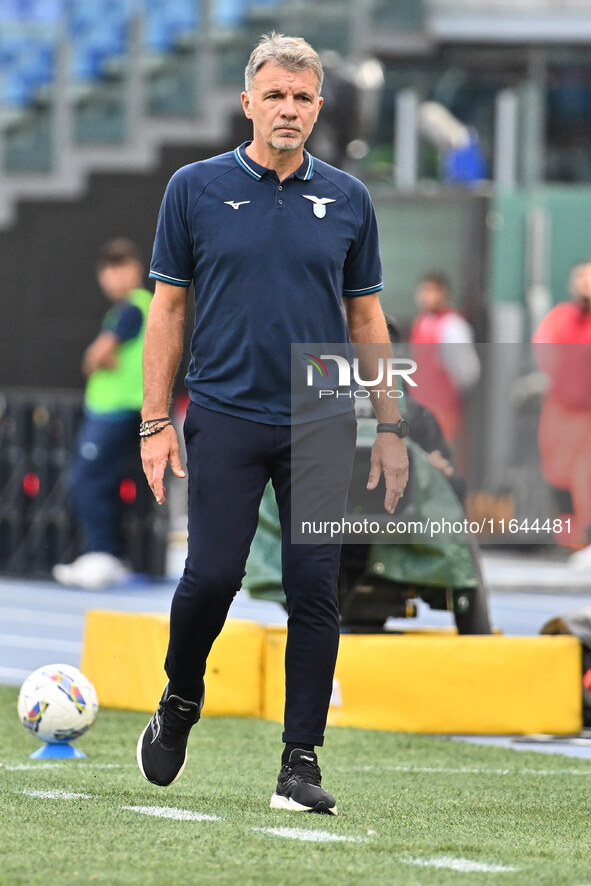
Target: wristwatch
{"type": "Point", "coordinates": [400, 428]}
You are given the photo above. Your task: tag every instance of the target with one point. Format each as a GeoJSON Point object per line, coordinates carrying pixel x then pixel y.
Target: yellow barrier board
{"type": "Point", "coordinates": [124, 653]}
{"type": "Point", "coordinates": [447, 684]}
{"type": "Point", "coordinates": [425, 682]}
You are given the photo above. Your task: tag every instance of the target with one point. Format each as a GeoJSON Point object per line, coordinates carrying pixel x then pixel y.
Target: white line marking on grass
{"type": "Point", "coordinates": [468, 771]}
{"type": "Point", "coordinates": [30, 767]}
{"type": "Point", "coordinates": [311, 836]}
{"type": "Point", "coordinates": [55, 795]}
{"type": "Point", "coordinates": [464, 865]}
{"type": "Point", "coordinates": [170, 812]}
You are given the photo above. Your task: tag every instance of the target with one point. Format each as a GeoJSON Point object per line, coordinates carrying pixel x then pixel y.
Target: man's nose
{"type": "Point", "coordinates": [288, 108]}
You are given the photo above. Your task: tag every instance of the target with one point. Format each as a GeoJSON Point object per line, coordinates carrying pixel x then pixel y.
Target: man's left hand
{"type": "Point", "coordinates": [389, 456]}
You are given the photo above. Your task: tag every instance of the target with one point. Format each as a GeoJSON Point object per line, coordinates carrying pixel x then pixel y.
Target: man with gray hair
{"type": "Point", "coordinates": [274, 242]}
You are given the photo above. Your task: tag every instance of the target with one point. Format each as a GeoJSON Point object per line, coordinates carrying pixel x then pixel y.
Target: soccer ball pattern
{"type": "Point", "coordinates": [57, 703]}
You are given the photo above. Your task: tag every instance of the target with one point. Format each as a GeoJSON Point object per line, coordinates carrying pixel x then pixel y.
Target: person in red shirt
{"type": "Point", "coordinates": [442, 343]}
{"type": "Point", "coordinates": [564, 434]}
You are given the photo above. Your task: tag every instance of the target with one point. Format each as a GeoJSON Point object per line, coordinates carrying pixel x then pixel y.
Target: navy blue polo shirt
{"type": "Point", "coordinates": [270, 262]}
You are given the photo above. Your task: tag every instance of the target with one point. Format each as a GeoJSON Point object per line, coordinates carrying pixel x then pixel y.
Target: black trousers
{"type": "Point", "coordinates": [229, 462]}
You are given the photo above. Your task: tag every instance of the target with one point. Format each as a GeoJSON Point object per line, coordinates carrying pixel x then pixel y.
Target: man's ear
{"type": "Point", "coordinates": [320, 103]}
{"type": "Point", "coordinates": [245, 99]}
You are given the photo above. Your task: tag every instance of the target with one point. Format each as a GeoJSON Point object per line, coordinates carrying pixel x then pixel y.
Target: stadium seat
{"type": "Point", "coordinates": [165, 21]}
{"type": "Point", "coordinates": [229, 12]}
{"type": "Point", "coordinates": [27, 10]}
{"type": "Point", "coordinates": [99, 31]}
{"type": "Point", "coordinates": [27, 62]}
{"type": "Point", "coordinates": [40, 11]}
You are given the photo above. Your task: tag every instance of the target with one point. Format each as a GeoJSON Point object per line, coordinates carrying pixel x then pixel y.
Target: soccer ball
{"type": "Point", "coordinates": [57, 703]}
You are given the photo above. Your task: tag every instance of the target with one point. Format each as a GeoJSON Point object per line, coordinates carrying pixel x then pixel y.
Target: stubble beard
{"type": "Point", "coordinates": [287, 143]}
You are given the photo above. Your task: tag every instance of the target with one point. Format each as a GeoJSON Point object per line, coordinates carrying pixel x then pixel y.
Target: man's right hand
{"type": "Point", "coordinates": [156, 451]}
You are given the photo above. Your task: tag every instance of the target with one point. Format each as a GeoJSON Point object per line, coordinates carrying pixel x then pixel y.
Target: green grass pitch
{"type": "Point", "coordinates": [412, 810]}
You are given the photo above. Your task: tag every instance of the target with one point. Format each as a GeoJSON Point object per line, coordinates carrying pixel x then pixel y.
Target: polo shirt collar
{"type": "Point", "coordinates": [255, 170]}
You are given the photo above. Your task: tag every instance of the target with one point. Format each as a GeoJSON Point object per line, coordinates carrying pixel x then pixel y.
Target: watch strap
{"type": "Point", "coordinates": [391, 428]}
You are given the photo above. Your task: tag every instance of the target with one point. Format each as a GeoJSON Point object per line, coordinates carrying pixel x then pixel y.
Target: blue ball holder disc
{"type": "Point", "coordinates": [57, 751]}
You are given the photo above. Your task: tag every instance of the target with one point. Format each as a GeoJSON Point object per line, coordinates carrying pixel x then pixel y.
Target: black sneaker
{"type": "Point", "coordinates": [299, 786]}
{"type": "Point", "coordinates": [162, 746]}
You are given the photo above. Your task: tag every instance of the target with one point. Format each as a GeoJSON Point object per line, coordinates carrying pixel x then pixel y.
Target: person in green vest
{"type": "Point", "coordinates": [107, 439]}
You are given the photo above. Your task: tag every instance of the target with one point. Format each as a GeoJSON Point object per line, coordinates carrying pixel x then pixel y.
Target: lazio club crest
{"type": "Point", "coordinates": [319, 204]}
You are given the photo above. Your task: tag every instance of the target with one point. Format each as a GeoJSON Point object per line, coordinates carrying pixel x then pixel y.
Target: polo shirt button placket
{"type": "Point", "coordinates": [278, 197]}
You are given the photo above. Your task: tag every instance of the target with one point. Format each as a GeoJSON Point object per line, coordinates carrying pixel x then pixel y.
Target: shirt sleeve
{"type": "Point", "coordinates": [127, 322]}
{"type": "Point", "coordinates": [172, 256]}
{"type": "Point", "coordinates": [363, 267]}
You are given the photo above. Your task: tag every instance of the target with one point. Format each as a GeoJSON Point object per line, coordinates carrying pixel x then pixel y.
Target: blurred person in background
{"type": "Point", "coordinates": [442, 343]}
{"type": "Point", "coordinates": [564, 434]}
{"type": "Point", "coordinates": [107, 439]}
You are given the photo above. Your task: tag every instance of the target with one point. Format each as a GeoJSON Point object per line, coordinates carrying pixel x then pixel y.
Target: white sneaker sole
{"type": "Point", "coordinates": [280, 802]}
{"type": "Point", "coordinates": [138, 755]}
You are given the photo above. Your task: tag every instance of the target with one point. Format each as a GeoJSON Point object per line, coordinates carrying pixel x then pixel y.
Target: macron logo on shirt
{"type": "Point", "coordinates": [235, 205]}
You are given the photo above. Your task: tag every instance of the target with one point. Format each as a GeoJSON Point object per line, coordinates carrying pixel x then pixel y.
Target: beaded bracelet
{"type": "Point", "coordinates": [154, 426]}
